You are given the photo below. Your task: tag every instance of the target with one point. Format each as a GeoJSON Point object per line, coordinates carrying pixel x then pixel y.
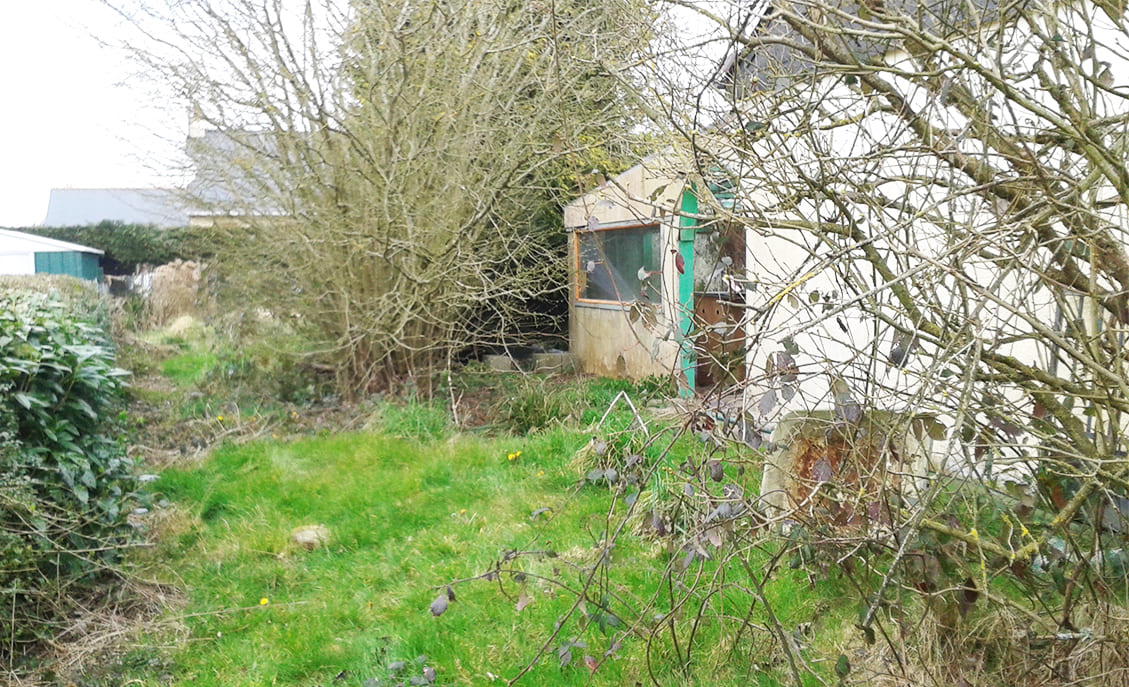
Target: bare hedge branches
{"type": "Point", "coordinates": [382, 168]}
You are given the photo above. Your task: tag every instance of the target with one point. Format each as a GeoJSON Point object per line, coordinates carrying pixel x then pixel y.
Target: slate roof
{"type": "Point", "coordinates": [773, 66]}
{"type": "Point", "coordinates": [230, 178]}
{"type": "Point", "coordinates": [81, 206]}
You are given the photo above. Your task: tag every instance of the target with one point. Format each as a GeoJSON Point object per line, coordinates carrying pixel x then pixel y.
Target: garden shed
{"type": "Point", "coordinates": [655, 285]}
{"type": "Point", "coordinates": [23, 253]}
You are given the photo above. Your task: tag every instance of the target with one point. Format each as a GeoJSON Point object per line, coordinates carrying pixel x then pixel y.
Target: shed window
{"type": "Point", "coordinates": [619, 265]}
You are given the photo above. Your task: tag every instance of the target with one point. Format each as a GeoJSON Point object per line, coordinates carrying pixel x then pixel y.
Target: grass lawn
{"type": "Point", "coordinates": [509, 552]}
{"type": "Point", "coordinates": [406, 515]}
{"type": "Point", "coordinates": [412, 506]}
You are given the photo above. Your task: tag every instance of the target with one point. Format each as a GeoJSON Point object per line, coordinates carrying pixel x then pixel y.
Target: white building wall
{"type": "Point", "coordinates": [795, 295]}
{"type": "Point", "coordinates": [17, 263]}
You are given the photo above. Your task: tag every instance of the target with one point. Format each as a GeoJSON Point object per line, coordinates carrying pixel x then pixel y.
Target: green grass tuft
{"type": "Point", "coordinates": [189, 368]}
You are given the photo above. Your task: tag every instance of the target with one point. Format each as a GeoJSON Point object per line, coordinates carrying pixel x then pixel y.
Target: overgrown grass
{"type": "Point", "coordinates": [404, 516]}
{"type": "Point", "coordinates": [412, 506]}
{"type": "Point", "coordinates": [498, 487]}
{"type": "Point", "coordinates": [414, 502]}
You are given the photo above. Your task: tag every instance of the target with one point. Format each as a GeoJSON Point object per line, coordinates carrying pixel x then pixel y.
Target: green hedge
{"type": "Point", "coordinates": [128, 245]}
{"type": "Point", "coordinates": [65, 480]}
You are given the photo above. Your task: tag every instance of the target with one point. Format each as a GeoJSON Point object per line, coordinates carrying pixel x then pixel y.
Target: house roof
{"type": "Point", "coordinates": [232, 175]}
{"type": "Point", "coordinates": [772, 65]}
{"type": "Point", "coordinates": [81, 206]}
{"type": "Point", "coordinates": [18, 243]}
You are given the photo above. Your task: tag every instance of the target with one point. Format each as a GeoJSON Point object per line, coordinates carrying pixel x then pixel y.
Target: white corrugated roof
{"type": "Point", "coordinates": [17, 242]}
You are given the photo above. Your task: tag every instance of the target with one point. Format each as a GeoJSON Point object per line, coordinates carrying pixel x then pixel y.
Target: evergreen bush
{"type": "Point", "coordinates": [64, 476]}
{"type": "Point", "coordinates": [127, 246]}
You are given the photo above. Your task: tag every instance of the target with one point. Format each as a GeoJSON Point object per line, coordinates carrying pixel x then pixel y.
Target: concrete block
{"type": "Point", "coordinates": [823, 467]}
{"type": "Point", "coordinates": [499, 363]}
{"type": "Point", "coordinates": [557, 361]}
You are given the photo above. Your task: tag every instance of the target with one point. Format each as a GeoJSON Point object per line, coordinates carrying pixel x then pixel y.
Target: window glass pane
{"type": "Point", "coordinates": [613, 260]}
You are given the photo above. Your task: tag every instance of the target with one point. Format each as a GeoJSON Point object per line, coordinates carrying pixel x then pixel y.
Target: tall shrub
{"type": "Point", "coordinates": [64, 475]}
{"type": "Point", "coordinates": [409, 147]}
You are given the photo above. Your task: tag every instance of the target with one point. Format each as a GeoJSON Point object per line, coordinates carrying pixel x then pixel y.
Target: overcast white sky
{"type": "Point", "coordinates": [74, 114]}
{"type": "Point", "coordinates": [71, 114]}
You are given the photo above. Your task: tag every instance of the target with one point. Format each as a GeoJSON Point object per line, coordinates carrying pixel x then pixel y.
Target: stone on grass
{"type": "Point", "coordinates": [310, 537]}
{"type": "Point", "coordinates": [554, 361]}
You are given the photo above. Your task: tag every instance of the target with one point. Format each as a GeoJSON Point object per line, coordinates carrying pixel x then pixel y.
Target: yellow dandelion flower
{"type": "Point", "coordinates": [264, 601]}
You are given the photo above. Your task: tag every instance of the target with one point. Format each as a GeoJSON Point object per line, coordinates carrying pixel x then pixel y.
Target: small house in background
{"type": "Point", "coordinates": [654, 289]}
{"type": "Point", "coordinates": [226, 188]}
{"type": "Point", "coordinates": [22, 253]}
{"type": "Point", "coordinates": [230, 186]}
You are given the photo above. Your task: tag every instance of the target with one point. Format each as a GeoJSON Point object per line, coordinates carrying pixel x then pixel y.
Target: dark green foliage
{"type": "Point", "coordinates": [129, 245]}
{"type": "Point", "coordinates": [64, 476]}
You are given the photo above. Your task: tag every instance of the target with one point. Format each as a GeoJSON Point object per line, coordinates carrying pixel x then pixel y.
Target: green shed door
{"type": "Point", "coordinates": [73, 263]}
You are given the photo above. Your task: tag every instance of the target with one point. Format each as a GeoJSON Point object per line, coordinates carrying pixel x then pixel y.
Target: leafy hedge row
{"type": "Point", "coordinates": [127, 246]}
{"type": "Point", "coordinates": [65, 480]}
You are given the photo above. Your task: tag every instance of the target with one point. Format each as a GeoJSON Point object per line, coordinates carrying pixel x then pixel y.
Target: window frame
{"type": "Point", "coordinates": [578, 267]}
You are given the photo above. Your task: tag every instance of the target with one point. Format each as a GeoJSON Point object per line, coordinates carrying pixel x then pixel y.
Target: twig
{"type": "Point", "coordinates": [790, 650]}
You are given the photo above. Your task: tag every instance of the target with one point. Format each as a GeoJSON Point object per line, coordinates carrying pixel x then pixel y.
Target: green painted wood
{"type": "Point", "coordinates": [72, 263]}
{"type": "Point", "coordinates": [686, 229]}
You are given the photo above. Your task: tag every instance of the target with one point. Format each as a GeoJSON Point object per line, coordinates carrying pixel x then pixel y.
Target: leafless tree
{"type": "Point", "coordinates": [378, 171]}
